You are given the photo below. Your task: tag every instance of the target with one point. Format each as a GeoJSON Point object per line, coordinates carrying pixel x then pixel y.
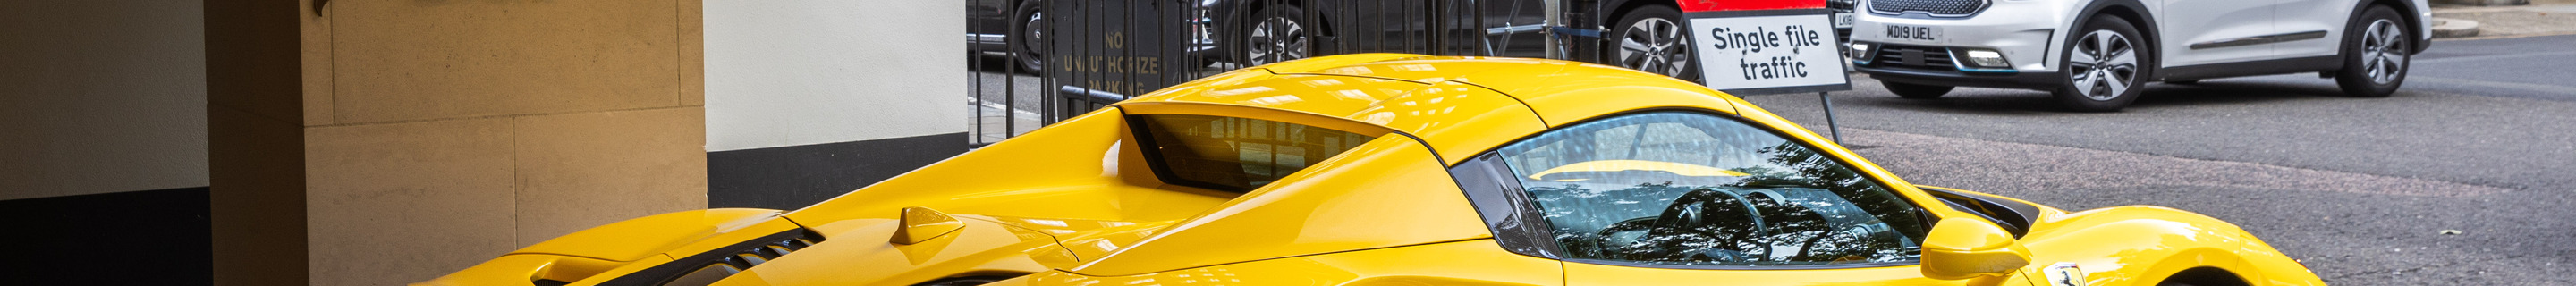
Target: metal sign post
{"type": "Point", "coordinates": [1837, 129]}
{"type": "Point", "coordinates": [1771, 52]}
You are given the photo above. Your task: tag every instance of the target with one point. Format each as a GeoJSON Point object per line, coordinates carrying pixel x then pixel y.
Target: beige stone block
{"type": "Point", "coordinates": [693, 53]}
{"type": "Point", "coordinates": [397, 203]}
{"type": "Point", "coordinates": [317, 63]}
{"type": "Point", "coordinates": [581, 170]}
{"type": "Point", "coordinates": [413, 60]}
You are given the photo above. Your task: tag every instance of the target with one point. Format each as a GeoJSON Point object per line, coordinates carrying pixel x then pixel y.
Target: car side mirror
{"type": "Point", "coordinates": [1961, 248]}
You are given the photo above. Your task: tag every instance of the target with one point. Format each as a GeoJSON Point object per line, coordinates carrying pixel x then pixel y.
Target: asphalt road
{"type": "Point", "coordinates": [2481, 140]}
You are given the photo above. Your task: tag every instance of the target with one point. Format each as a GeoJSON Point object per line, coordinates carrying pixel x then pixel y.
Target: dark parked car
{"type": "Point", "coordinates": [1258, 32]}
{"type": "Point", "coordinates": [992, 26]}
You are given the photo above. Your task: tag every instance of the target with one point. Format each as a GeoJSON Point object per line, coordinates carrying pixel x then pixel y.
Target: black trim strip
{"type": "Point", "coordinates": [1517, 225]}
{"type": "Point", "coordinates": [2014, 216]}
{"type": "Point", "coordinates": [2252, 68]}
{"type": "Point", "coordinates": [659, 274]}
{"type": "Point", "coordinates": [2258, 40]}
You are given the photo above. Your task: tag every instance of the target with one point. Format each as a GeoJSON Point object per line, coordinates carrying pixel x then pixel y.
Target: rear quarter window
{"type": "Point", "coordinates": [1234, 154]}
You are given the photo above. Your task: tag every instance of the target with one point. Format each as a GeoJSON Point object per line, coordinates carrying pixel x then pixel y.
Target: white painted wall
{"type": "Point", "coordinates": [101, 96]}
{"type": "Point", "coordinates": [801, 72]}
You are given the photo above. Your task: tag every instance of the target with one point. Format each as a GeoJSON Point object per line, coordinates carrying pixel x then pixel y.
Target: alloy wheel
{"type": "Point", "coordinates": [1032, 43]}
{"type": "Point", "coordinates": [2104, 65]}
{"type": "Point", "coordinates": [2384, 51]}
{"type": "Point", "coordinates": [1654, 45]}
{"type": "Point", "coordinates": [1276, 39]}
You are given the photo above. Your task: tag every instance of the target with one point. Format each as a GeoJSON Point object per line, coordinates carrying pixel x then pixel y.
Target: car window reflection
{"type": "Point", "coordinates": [1694, 189]}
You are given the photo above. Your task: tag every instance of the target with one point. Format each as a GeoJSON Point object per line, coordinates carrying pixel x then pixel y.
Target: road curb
{"type": "Point", "coordinates": [2454, 28]}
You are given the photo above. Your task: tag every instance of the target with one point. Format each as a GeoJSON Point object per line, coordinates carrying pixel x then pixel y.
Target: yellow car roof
{"type": "Point", "coordinates": [1457, 105]}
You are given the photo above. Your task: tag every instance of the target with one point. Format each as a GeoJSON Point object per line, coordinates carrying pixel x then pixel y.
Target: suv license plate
{"type": "Point", "coordinates": [1842, 20]}
{"type": "Point", "coordinates": [1914, 33]}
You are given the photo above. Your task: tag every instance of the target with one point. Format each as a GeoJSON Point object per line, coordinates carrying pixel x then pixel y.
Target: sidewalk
{"type": "Point", "coordinates": [2542, 17]}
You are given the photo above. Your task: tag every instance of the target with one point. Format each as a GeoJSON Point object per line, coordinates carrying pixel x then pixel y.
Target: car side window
{"type": "Point", "coordinates": [1683, 188]}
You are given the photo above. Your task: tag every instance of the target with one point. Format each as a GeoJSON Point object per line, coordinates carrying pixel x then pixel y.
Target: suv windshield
{"type": "Point", "coordinates": [1234, 154]}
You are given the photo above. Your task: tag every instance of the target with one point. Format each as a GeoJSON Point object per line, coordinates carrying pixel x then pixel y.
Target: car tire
{"type": "Point", "coordinates": [2377, 51]}
{"type": "Point", "coordinates": [1915, 91]}
{"type": "Point", "coordinates": [2104, 66]}
{"type": "Point", "coordinates": [1028, 38]}
{"type": "Point", "coordinates": [1274, 34]}
{"type": "Point", "coordinates": [1651, 39]}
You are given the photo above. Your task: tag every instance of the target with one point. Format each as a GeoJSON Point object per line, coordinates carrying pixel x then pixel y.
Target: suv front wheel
{"type": "Point", "coordinates": [2375, 54]}
{"type": "Point", "coordinates": [2104, 67]}
{"type": "Point", "coordinates": [1652, 39]}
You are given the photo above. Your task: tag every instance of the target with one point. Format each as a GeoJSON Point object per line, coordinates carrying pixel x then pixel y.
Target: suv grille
{"type": "Point", "coordinates": [1935, 7]}
{"type": "Point", "coordinates": [1840, 5]}
{"type": "Point", "coordinates": [1916, 57]}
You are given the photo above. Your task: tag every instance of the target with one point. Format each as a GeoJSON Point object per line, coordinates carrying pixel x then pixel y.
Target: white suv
{"type": "Point", "coordinates": [2093, 54]}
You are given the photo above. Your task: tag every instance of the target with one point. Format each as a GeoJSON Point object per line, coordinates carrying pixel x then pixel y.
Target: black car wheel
{"type": "Point", "coordinates": [2375, 54]}
{"type": "Point", "coordinates": [1028, 37]}
{"type": "Point", "coordinates": [2105, 65]}
{"type": "Point", "coordinates": [1651, 39]}
{"type": "Point", "coordinates": [1277, 34]}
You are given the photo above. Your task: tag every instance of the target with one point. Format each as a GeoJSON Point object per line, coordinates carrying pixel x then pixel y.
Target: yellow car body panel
{"type": "Point", "coordinates": [1374, 198]}
{"type": "Point", "coordinates": [1079, 168]}
{"type": "Point", "coordinates": [2139, 245]}
{"type": "Point", "coordinates": [513, 269]}
{"type": "Point", "coordinates": [1078, 203]}
{"type": "Point", "coordinates": [1474, 262]}
{"type": "Point", "coordinates": [1455, 118]}
{"type": "Point", "coordinates": [1426, 69]}
{"type": "Point", "coordinates": [980, 247]}
{"type": "Point", "coordinates": [1591, 91]}
{"type": "Point", "coordinates": [639, 241]}
{"type": "Point", "coordinates": [636, 238]}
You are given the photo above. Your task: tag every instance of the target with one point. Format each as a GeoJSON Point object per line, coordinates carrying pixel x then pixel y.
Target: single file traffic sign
{"type": "Point", "coordinates": [1768, 51]}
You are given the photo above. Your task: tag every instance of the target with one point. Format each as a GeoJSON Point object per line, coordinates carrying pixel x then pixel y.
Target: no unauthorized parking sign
{"type": "Point", "coordinates": [1768, 51]}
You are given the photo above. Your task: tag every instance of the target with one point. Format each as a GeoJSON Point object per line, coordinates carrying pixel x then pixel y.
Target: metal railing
{"type": "Point", "coordinates": [1038, 61]}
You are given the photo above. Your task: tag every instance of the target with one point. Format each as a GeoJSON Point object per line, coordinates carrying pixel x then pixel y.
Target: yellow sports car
{"type": "Point", "coordinates": [1392, 169]}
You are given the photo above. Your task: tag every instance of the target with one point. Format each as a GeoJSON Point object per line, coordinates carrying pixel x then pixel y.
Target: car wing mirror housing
{"type": "Point", "coordinates": [1961, 248]}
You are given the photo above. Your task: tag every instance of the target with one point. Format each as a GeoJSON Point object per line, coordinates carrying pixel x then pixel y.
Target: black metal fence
{"type": "Point", "coordinates": [1037, 61]}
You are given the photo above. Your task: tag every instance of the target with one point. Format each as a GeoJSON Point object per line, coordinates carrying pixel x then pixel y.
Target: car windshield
{"type": "Point", "coordinates": [1694, 189]}
{"type": "Point", "coordinates": [1235, 154]}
